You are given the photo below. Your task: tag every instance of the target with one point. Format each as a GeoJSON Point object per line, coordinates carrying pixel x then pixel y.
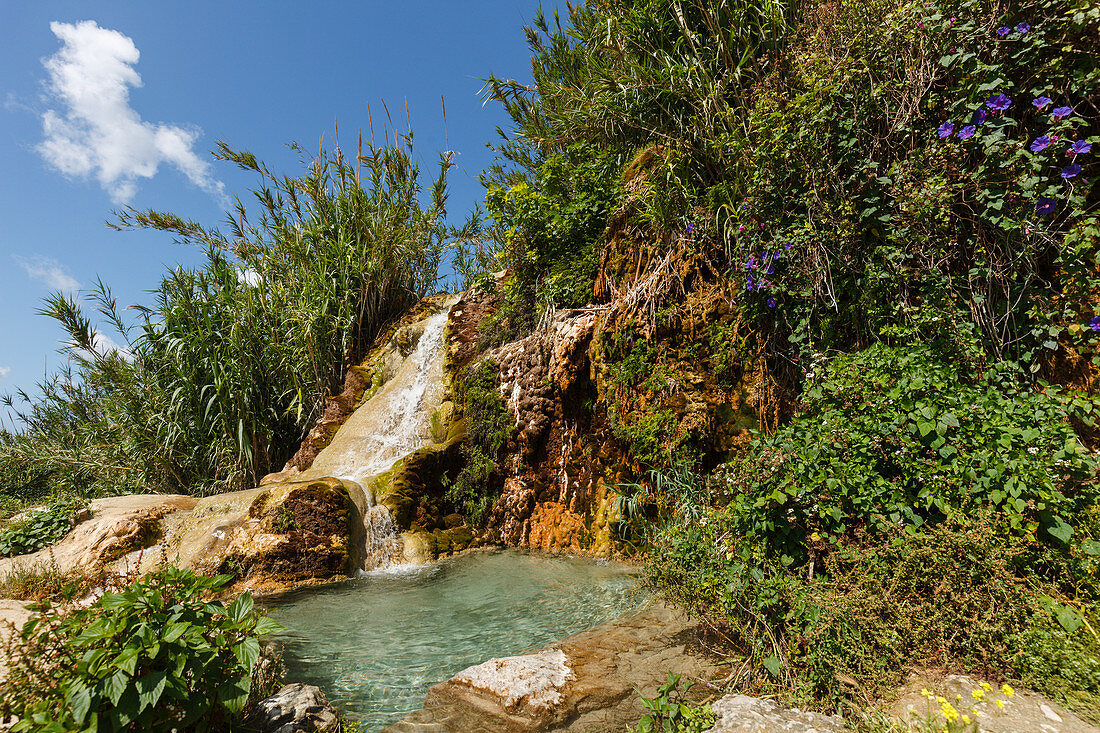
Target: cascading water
{"type": "Point", "coordinates": [389, 426]}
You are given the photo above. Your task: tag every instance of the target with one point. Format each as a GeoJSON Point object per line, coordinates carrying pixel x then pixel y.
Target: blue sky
{"type": "Point", "coordinates": [125, 109]}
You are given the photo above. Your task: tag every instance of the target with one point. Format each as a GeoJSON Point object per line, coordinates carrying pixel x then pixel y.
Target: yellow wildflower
{"type": "Point", "coordinates": [1007, 690]}
{"type": "Point", "coordinates": [977, 695]}
{"type": "Point", "coordinates": [986, 686]}
{"type": "Point", "coordinates": [941, 700]}
{"type": "Point", "coordinates": [966, 720]}
{"type": "Point", "coordinates": [925, 693]}
{"type": "Point", "coordinates": [949, 712]}
{"type": "Point", "coordinates": [1000, 704]}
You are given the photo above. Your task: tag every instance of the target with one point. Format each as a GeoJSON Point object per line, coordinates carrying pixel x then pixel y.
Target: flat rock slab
{"type": "Point", "coordinates": [1024, 712]}
{"type": "Point", "coordinates": [13, 614]}
{"type": "Point", "coordinates": [585, 682]}
{"type": "Point", "coordinates": [743, 714]}
{"type": "Point", "coordinates": [116, 524]}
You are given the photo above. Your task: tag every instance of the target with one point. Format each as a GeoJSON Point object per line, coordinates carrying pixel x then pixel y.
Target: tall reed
{"type": "Point", "coordinates": [229, 365]}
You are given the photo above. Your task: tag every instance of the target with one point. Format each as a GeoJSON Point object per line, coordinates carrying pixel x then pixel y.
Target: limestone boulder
{"type": "Point", "coordinates": [744, 714]}
{"type": "Point", "coordinates": [1022, 712]}
{"type": "Point", "coordinates": [113, 528]}
{"type": "Point", "coordinates": [295, 708]}
{"type": "Point", "coordinates": [286, 533]}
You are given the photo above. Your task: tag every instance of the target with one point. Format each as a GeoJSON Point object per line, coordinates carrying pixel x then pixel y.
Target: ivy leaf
{"type": "Point", "coordinates": [247, 652]}
{"type": "Point", "coordinates": [1069, 618]}
{"type": "Point", "coordinates": [115, 685]}
{"type": "Point", "coordinates": [1061, 531]}
{"type": "Point", "coordinates": [267, 625]}
{"type": "Point", "coordinates": [79, 700]}
{"type": "Point", "coordinates": [234, 693]}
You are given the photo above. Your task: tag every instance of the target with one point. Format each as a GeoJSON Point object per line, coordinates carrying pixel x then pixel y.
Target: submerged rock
{"type": "Point", "coordinates": [293, 709]}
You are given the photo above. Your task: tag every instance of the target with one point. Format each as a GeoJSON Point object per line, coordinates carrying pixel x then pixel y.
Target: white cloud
{"type": "Point", "coordinates": [4, 372]}
{"type": "Point", "coordinates": [104, 344]}
{"type": "Point", "coordinates": [49, 272]}
{"type": "Point", "coordinates": [98, 132]}
{"type": "Point", "coordinates": [249, 277]}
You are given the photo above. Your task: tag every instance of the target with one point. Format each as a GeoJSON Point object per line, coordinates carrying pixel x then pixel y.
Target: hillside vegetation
{"type": "Point", "coordinates": [874, 220]}
{"type": "Point", "coordinates": [879, 218]}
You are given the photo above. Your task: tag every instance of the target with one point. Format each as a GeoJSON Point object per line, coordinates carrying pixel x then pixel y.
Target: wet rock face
{"type": "Point", "coordinates": [296, 708]}
{"type": "Point", "coordinates": [360, 383]}
{"type": "Point", "coordinates": [295, 533]}
{"type": "Point", "coordinates": [554, 476]}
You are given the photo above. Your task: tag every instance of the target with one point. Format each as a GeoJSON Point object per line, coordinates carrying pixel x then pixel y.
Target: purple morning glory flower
{"type": "Point", "coordinates": [979, 117]}
{"type": "Point", "coordinates": [967, 132]}
{"type": "Point", "coordinates": [1045, 206]}
{"type": "Point", "coordinates": [787, 246]}
{"type": "Point", "coordinates": [1094, 323]}
{"type": "Point", "coordinates": [772, 304]}
{"type": "Point", "coordinates": [1071, 170]}
{"type": "Point", "coordinates": [1080, 147]}
{"type": "Point", "coordinates": [775, 255]}
{"type": "Point", "coordinates": [1023, 28]}
{"type": "Point", "coordinates": [947, 129]}
{"type": "Point", "coordinates": [1003, 31]}
{"type": "Point", "coordinates": [770, 270]}
{"type": "Point", "coordinates": [1040, 143]}
{"type": "Point", "coordinates": [750, 263]}
{"type": "Point", "coordinates": [690, 226]}
{"type": "Point", "coordinates": [1061, 112]}
{"type": "Point", "coordinates": [1041, 102]}
{"type": "Point", "coordinates": [998, 103]}
{"type": "Point", "coordinates": [750, 284]}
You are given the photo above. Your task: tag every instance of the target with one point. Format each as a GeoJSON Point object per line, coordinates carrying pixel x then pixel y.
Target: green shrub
{"type": "Point", "coordinates": [156, 656]}
{"type": "Point", "coordinates": [43, 527]}
{"type": "Point", "coordinates": [900, 436]}
{"type": "Point", "coordinates": [850, 623]}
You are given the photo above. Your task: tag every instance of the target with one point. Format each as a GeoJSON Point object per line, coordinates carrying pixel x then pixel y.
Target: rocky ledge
{"type": "Point", "coordinates": [594, 681]}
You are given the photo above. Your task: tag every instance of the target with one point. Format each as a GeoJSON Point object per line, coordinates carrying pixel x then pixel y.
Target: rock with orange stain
{"type": "Point", "coordinates": [553, 527]}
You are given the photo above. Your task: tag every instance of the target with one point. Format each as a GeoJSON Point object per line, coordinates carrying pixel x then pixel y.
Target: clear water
{"type": "Point", "coordinates": [377, 643]}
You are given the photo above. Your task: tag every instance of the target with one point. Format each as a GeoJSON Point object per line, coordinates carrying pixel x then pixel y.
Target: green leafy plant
{"type": "Point", "coordinates": [669, 711]}
{"type": "Point", "coordinates": [899, 436]}
{"type": "Point", "coordinates": [43, 527]}
{"type": "Point", "coordinates": [155, 656]}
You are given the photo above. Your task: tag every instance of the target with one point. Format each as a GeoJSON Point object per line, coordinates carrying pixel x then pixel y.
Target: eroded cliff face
{"type": "Point", "coordinates": [661, 369]}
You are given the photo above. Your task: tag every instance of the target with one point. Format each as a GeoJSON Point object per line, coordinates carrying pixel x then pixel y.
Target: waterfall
{"type": "Point", "coordinates": [389, 426]}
